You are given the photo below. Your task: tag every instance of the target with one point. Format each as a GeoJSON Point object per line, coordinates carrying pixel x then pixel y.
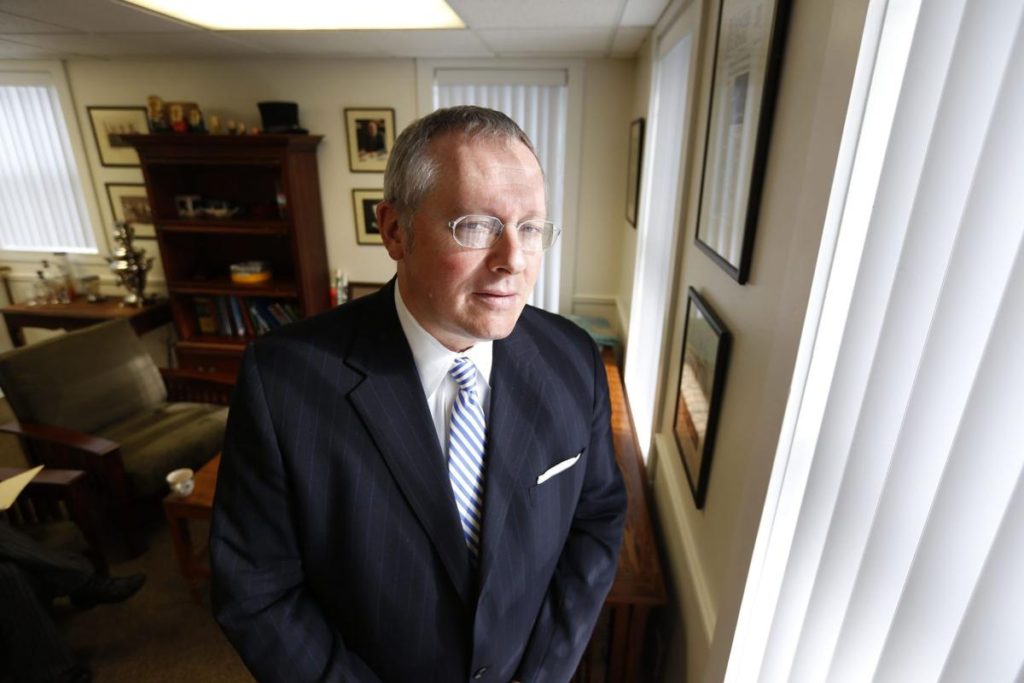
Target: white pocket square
{"type": "Point", "coordinates": [560, 467]}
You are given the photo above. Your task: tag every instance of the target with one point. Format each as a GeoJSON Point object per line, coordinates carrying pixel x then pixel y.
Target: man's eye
{"type": "Point", "coordinates": [531, 229]}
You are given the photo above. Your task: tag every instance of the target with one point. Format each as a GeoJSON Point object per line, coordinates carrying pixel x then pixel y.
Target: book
{"type": "Point", "coordinates": [223, 317]}
{"type": "Point", "coordinates": [236, 316]}
{"type": "Point", "coordinates": [205, 318]}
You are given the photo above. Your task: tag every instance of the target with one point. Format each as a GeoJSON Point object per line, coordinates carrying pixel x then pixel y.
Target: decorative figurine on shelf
{"type": "Point", "coordinates": [214, 124]}
{"type": "Point", "coordinates": [232, 127]}
{"type": "Point", "coordinates": [130, 265]}
{"type": "Point", "coordinates": [156, 114]}
{"type": "Point", "coordinates": [178, 124]}
{"type": "Point", "coordinates": [195, 121]}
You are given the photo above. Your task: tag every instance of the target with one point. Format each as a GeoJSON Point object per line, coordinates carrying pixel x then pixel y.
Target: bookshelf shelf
{"type": "Point", "coordinates": [274, 183]}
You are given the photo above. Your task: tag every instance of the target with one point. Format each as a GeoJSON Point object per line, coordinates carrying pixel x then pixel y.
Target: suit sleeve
{"type": "Point", "coordinates": [589, 560]}
{"type": "Point", "coordinates": [259, 594]}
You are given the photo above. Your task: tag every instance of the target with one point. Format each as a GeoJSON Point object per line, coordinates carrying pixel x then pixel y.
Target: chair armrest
{"type": "Point", "coordinates": [49, 488]}
{"type": "Point", "coordinates": [68, 438]}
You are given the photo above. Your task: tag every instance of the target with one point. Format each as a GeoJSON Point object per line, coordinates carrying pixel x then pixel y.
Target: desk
{"type": "Point", "coordinates": [81, 313]}
{"type": "Point", "coordinates": [196, 505]}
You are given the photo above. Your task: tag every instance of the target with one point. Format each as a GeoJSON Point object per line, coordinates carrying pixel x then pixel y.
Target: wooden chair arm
{"type": "Point", "coordinates": [68, 438]}
{"type": "Point", "coordinates": [52, 486]}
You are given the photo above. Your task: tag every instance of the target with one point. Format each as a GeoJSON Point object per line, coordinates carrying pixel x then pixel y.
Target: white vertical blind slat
{"type": "Point", "coordinates": [42, 206]}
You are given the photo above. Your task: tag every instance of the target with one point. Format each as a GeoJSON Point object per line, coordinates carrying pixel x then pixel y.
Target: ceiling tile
{"type": "Point", "coordinates": [628, 40]}
{"type": "Point", "coordinates": [537, 13]}
{"type": "Point", "coordinates": [643, 12]}
{"type": "Point", "coordinates": [11, 23]}
{"type": "Point", "coordinates": [94, 16]}
{"type": "Point", "coordinates": [562, 41]}
{"type": "Point", "coordinates": [184, 45]}
{"type": "Point", "coordinates": [12, 50]}
{"type": "Point", "coordinates": [437, 43]}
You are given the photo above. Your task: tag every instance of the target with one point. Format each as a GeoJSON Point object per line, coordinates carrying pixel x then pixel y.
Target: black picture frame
{"type": "Point", "coordinates": [744, 83]}
{"type": "Point", "coordinates": [633, 169]}
{"type": "Point", "coordinates": [363, 203]}
{"type": "Point", "coordinates": [702, 369]}
{"type": "Point", "coordinates": [129, 203]}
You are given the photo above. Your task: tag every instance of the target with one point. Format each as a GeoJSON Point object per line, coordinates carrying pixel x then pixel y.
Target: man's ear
{"type": "Point", "coordinates": [391, 230]}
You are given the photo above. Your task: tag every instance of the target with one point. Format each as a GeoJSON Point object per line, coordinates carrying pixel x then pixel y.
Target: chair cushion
{"type": "Point", "coordinates": [167, 437]}
{"type": "Point", "coordinates": [82, 380]}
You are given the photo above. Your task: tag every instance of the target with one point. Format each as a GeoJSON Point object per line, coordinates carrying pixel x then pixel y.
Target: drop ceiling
{"type": "Point", "coordinates": [110, 29]}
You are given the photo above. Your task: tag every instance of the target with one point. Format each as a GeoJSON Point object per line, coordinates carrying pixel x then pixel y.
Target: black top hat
{"type": "Point", "coordinates": [280, 117]}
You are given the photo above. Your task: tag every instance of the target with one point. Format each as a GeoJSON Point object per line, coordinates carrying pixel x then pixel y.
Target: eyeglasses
{"type": "Point", "coordinates": [482, 232]}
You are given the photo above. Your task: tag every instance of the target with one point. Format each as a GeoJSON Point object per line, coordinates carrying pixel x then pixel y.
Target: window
{"type": "Point", "coordinates": [537, 100]}
{"type": "Point", "coordinates": [43, 207]}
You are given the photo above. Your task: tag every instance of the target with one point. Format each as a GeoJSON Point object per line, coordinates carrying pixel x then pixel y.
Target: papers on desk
{"type": "Point", "coordinates": [10, 488]}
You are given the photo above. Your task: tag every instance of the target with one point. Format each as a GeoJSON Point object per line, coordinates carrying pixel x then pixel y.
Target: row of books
{"type": "Point", "coordinates": [236, 316]}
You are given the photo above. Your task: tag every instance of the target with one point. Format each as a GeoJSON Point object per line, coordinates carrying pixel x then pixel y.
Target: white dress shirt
{"type": "Point", "coordinates": [433, 361]}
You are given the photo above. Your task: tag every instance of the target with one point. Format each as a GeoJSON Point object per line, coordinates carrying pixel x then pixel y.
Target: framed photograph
{"type": "Point", "coordinates": [706, 345]}
{"type": "Point", "coordinates": [747, 56]}
{"type": "Point", "coordinates": [371, 135]}
{"type": "Point", "coordinates": [636, 153]}
{"type": "Point", "coordinates": [109, 124]}
{"type": "Point", "coordinates": [357, 290]}
{"type": "Point", "coordinates": [364, 202]}
{"type": "Point", "coordinates": [129, 203]}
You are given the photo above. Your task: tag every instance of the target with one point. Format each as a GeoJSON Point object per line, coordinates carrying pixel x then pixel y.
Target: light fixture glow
{"type": "Point", "coordinates": [308, 15]}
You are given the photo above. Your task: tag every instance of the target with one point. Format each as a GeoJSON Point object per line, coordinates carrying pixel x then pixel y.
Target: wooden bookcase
{"type": "Point", "coordinates": [273, 182]}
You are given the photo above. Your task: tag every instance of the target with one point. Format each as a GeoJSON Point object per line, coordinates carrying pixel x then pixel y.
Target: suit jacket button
{"type": "Point", "coordinates": [479, 673]}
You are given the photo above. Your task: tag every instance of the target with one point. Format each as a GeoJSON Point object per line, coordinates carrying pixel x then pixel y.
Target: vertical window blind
{"type": "Point", "coordinates": [537, 100]}
{"type": "Point", "coordinates": [896, 552]}
{"type": "Point", "coordinates": [42, 206]}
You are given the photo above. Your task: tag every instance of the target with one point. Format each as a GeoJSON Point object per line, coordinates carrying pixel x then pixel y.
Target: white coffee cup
{"type": "Point", "coordinates": [181, 481]}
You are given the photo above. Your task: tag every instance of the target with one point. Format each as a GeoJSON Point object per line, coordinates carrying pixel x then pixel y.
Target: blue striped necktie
{"type": "Point", "coordinates": [467, 438]}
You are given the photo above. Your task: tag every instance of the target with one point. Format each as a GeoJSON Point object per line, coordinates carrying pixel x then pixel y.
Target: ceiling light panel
{"type": "Point", "coordinates": [305, 15]}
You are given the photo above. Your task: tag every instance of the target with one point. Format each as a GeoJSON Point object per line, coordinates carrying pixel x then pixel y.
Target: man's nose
{"type": "Point", "coordinates": [507, 253]}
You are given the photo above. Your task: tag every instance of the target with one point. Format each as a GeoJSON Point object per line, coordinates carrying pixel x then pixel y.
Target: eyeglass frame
{"type": "Point", "coordinates": [555, 230]}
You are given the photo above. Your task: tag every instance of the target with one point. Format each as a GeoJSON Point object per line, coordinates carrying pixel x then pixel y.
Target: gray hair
{"type": "Point", "coordinates": [411, 170]}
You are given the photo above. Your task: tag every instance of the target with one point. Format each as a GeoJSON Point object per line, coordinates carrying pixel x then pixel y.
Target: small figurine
{"type": "Point", "coordinates": [195, 121]}
{"type": "Point", "coordinates": [232, 127]}
{"type": "Point", "coordinates": [178, 124]}
{"type": "Point", "coordinates": [255, 130]}
{"type": "Point", "coordinates": [241, 128]}
{"type": "Point", "coordinates": [156, 115]}
{"type": "Point", "coordinates": [214, 124]}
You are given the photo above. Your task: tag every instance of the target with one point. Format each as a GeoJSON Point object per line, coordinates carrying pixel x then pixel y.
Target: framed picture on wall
{"type": "Point", "coordinates": [130, 204]}
{"type": "Point", "coordinates": [371, 135]}
{"type": "Point", "coordinates": [109, 124]}
{"type": "Point", "coordinates": [706, 345]}
{"type": "Point", "coordinates": [364, 202]}
{"type": "Point", "coordinates": [636, 152]}
{"type": "Point", "coordinates": [747, 56]}
{"type": "Point", "coordinates": [357, 290]}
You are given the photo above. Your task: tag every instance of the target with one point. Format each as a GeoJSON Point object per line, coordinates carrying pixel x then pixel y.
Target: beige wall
{"type": "Point", "coordinates": [324, 88]}
{"type": "Point", "coordinates": [708, 550]}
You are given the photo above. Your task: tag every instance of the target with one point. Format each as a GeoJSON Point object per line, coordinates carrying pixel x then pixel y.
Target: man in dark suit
{"type": "Point", "coordinates": [420, 485]}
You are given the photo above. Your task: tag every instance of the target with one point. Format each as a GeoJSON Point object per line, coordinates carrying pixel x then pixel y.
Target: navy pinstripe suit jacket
{"type": "Point", "coordinates": [336, 548]}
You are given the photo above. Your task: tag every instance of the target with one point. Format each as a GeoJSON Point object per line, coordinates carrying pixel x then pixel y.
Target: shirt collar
{"type": "Point", "coordinates": [433, 359]}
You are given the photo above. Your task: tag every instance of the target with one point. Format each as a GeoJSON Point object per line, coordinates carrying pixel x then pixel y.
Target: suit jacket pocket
{"type": "Point", "coordinates": [547, 481]}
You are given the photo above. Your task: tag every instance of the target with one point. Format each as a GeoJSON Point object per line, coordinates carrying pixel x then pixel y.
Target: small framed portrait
{"type": "Point", "coordinates": [129, 203]}
{"type": "Point", "coordinates": [371, 135]}
{"type": "Point", "coordinates": [636, 151]}
{"type": "Point", "coordinates": [706, 345]}
{"type": "Point", "coordinates": [364, 202]}
{"type": "Point", "coordinates": [109, 125]}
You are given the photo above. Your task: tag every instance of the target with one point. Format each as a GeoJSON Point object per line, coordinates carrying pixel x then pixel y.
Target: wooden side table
{"type": "Point", "coordinates": [196, 505]}
{"type": "Point", "coordinates": [81, 313]}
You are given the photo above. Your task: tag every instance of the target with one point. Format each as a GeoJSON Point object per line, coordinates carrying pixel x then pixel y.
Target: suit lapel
{"type": "Point", "coordinates": [391, 404]}
{"type": "Point", "coordinates": [517, 396]}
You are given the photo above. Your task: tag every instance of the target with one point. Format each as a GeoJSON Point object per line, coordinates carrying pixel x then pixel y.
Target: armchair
{"type": "Point", "coordinates": [94, 400]}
